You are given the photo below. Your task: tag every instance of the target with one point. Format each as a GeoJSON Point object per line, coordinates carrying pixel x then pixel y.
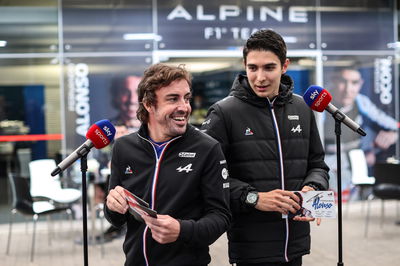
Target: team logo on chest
{"type": "Point", "coordinates": [128, 170]}
{"type": "Point", "coordinates": [186, 168]}
{"type": "Point", "coordinates": [297, 129]}
{"type": "Point", "coordinates": [248, 132]}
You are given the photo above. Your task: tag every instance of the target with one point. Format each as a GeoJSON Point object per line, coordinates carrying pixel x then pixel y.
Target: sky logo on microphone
{"type": "Point", "coordinates": [101, 133]}
{"type": "Point", "coordinates": [107, 130]}
{"type": "Point", "coordinates": [317, 98]}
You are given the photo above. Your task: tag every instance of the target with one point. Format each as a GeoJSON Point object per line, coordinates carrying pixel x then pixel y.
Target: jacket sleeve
{"type": "Point", "coordinates": [317, 170]}
{"type": "Point", "coordinates": [215, 193]}
{"type": "Point", "coordinates": [115, 218]}
{"type": "Point", "coordinates": [219, 128]}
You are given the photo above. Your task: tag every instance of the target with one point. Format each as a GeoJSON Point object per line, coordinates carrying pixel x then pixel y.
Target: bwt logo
{"type": "Point", "coordinates": [107, 130]}
{"type": "Point", "coordinates": [100, 134]}
{"type": "Point", "coordinates": [314, 94]}
{"type": "Point", "coordinates": [323, 95]}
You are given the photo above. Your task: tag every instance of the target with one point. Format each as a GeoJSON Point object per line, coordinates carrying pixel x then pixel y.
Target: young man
{"type": "Point", "coordinates": [180, 171]}
{"type": "Point", "coordinates": [271, 142]}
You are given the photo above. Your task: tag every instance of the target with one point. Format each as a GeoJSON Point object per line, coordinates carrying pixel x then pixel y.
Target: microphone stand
{"type": "Point", "coordinates": [338, 132]}
{"type": "Point", "coordinates": [84, 168]}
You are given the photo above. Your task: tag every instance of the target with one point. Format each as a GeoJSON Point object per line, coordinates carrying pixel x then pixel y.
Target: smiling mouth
{"type": "Point", "coordinates": [179, 118]}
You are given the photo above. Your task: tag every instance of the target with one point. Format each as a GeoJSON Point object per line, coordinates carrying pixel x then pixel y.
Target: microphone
{"type": "Point", "coordinates": [99, 135]}
{"type": "Point", "coordinates": [319, 100]}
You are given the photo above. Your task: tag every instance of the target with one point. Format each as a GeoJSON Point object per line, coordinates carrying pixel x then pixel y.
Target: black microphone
{"type": "Point", "coordinates": [319, 100]}
{"type": "Point", "coordinates": [99, 135]}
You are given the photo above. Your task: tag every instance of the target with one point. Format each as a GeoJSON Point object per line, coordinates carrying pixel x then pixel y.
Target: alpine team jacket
{"type": "Point", "coordinates": [189, 182]}
{"type": "Point", "coordinates": [268, 145]}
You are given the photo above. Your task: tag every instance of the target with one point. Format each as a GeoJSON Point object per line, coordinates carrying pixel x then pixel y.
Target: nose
{"type": "Point", "coordinates": [183, 105]}
{"type": "Point", "coordinates": [260, 75]}
{"type": "Point", "coordinates": [132, 97]}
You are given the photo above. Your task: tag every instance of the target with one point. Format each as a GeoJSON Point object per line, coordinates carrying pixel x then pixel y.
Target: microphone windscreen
{"type": "Point", "coordinates": [317, 98]}
{"type": "Point", "coordinates": [101, 133]}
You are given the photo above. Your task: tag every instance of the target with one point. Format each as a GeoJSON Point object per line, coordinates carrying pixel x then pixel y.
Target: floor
{"type": "Point", "coordinates": [380, 248]}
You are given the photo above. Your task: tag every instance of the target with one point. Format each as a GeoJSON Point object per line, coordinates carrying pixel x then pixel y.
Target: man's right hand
{"type": "Point", "coordinates": [278, 201]}
{"type": "Point", "coordinates": [116, 201]}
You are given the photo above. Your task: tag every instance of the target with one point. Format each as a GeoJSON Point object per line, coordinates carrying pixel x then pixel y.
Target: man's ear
{"type": "Point", "coordinates": [285, 66]}
{"type": "Point", "coordinates": [147, 106]}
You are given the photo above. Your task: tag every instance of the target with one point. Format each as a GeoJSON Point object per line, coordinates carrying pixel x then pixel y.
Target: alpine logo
{"type": "Point", "coordinates": [187, 154]}
{"type": "Point", "coordinates": [297, 129]}
{"type": "Point", "coordinates": [206, 122]}
{"type": "Point", "coordinates": [187, 168]}
{"type": "Point", "coordinates": [249, 132]}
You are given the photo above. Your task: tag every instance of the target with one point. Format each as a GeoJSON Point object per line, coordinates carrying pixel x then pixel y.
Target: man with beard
{"type": "Point", "coordinates": [180, 171]}
{"type": "Point", "coordinates": [272, 146]}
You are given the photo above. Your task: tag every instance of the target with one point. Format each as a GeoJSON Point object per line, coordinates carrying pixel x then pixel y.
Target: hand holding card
{"type": "Point", "coordinates": [315, 204]}
{"type": "Point", "coordinates": [138, 207]}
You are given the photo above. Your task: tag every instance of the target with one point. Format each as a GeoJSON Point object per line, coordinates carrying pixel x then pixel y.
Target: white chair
{"type": "Point", "coordinates": [43, 185]}
{"type": "Point", "coordinates": [359, 171]}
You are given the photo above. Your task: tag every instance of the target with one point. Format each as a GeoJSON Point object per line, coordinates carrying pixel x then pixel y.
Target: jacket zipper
{"type": "Point", "coordinates": [153, 188]}
{"type": "Point", "coordinates": [278, 138]}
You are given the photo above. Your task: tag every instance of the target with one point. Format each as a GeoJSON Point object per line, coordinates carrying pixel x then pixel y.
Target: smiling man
{"type": "Point", "coordinates": [180, 171]}
{"type": "Point", "coordinates": [271, 142]}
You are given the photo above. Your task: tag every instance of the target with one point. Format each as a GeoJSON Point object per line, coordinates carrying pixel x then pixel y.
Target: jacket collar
{"type": "Point", "coordinates": [144, 131]}
{"type": "Point", "coordinates": [242, 90]}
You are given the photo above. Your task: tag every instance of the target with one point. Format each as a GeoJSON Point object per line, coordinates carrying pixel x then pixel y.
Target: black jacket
{"type": "Point", "coordinates": [191, 185]}
{"type": "Point", "coordinates": [255, 148]}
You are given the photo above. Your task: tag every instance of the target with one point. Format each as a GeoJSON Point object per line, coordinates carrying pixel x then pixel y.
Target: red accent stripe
{"type": "Point", "coordinates": [36, 137]}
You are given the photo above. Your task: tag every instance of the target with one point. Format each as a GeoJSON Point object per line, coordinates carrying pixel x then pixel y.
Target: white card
{"type": "Point", "coordinates": [315, 204]}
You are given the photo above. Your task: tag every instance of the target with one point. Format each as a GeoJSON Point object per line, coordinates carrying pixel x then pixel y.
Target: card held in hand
{"type": "Point", "coordinates": [315, 204]}
{"type": "Point", "coordinates": [138, 207]}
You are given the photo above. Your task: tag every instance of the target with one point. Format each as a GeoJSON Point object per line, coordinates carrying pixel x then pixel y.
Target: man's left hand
{"type": "Point", "coordinates": [164, 229]}
{"type": "Point", "coordinates": [307, 219]}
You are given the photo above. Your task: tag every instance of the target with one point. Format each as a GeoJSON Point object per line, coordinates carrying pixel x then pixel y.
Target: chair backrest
{"type": "Point", "coordinates": [42, 183]}
{"type": "Point", "coordinates": [22, 199]}
{"type": "Point", "coordinates": [359, 167]}
{"type": "Point", "coordinates": [387, 173]}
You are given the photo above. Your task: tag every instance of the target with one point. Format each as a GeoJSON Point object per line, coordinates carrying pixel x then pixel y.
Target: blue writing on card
{"type": "Point", "coordinates": [321, 205]}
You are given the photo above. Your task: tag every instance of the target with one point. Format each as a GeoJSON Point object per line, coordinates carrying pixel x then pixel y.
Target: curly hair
{"type": "Point", "coordinates": [155, 77]}
{"type": "Point", "coordinates": [266, 40]}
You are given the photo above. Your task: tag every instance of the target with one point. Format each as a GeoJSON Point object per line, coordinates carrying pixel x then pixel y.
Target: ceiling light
{"type": "Point", "coordinates": [142, 36]}
{"type": "Point", "coordinates": [3, 43]}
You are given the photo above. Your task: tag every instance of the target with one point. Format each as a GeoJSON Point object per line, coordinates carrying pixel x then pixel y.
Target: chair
{"type": "Point", "coordinates": [386, 187]}
{"type": "Point", "coordinates": [359, 171]}
{"type": "Point", "coordinates": [43, 185]}
{"type": "Point", "coordinates": [24, 204]}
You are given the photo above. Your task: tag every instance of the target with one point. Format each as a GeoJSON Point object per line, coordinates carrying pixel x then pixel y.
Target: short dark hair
{"type": "Point", "coordinates": [155, 77]}
{"type": "Point", "coordinates": [266, 40]}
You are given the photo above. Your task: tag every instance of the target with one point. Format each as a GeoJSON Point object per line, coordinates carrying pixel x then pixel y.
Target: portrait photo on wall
{"type": "Point", "coordinates": [363, 89]}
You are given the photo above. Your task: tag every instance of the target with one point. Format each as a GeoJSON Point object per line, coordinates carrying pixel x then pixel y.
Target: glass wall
{"type": "Point", "coordinates": [63, 63]}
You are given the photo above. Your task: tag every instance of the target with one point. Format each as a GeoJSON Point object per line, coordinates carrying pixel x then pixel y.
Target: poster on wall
{"type": "Point", "coordinates": [363, 88]}
{"type": "Point", "coordinates": [101, 88]}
